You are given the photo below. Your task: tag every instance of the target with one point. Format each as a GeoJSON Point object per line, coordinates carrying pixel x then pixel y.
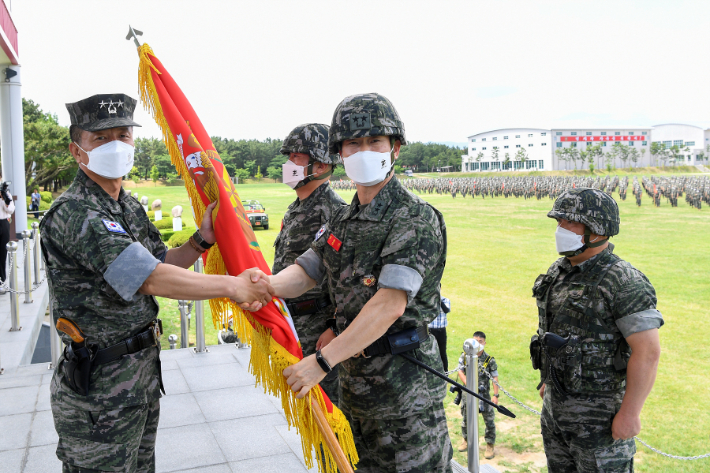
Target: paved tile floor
{"type": "Point", "coordinates": [212, 420]}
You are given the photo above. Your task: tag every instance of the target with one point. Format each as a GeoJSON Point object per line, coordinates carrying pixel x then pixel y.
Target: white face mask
{"type": "Point", "coordinates": [567, 241]}
{"type": "Point", "coordinates": [368, 168]}
{"type": "Point", "coordinates": [293, 174]}
{"type": "Point", "coordinates": [111, 160]}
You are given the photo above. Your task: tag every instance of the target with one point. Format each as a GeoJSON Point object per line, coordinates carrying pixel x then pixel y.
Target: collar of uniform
{"type": "Point", "coordinates": [309, 202]}
{"type": "Point", "coordinates": [92, 187]}
{"type": "Point", "coordinates": [376, 209]}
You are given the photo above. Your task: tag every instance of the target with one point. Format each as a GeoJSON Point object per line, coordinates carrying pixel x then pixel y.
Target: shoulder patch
{"type": "Point", "coordinates": [113, 227]}
{"type": "Point", "coordinates": [320, 233]}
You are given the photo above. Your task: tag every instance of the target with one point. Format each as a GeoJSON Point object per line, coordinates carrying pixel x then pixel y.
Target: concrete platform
{"type": "Point", "coordinates": [213, 419]}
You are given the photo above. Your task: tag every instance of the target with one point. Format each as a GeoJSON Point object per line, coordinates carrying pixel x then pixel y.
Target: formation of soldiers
{"type": "Point", "coordinates": [696, 189]}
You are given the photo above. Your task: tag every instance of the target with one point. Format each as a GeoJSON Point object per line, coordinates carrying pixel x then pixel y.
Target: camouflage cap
{"type": "Point", "coordinates": [592, 207]}
{"type": "Point", "coordinates": [102, 111]}
{"type": "Point", "coordinates": [310, 139]}
{"type": "Point", "coordinates": [365, 115]}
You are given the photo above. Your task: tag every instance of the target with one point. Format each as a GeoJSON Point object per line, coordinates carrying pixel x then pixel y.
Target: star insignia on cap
{"type": "Point", "coordinates": [120, 104]}
{"type": "Point", "coordinates": [102, 105]}
{"type": "Point", "coordinates": [111, 106]}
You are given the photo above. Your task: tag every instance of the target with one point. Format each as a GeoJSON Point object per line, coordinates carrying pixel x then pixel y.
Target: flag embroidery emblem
{"type": "Point", "coordinates": [334, 242]}
{"type": "Point", "coordinates": [113, 227]}
{"type": "Point", "coordinates": [320, 232]}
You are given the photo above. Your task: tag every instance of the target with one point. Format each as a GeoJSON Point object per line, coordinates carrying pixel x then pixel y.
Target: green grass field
{"type": "Point", "coordinates": [497, 247]}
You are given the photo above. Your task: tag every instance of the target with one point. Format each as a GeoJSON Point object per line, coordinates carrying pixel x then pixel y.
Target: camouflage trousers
{"type": "Point", "coordinates": [576, 433]}
{"type": "Point", "coordinates": [106, 440]}
{"type": "Point", "coordinates": [415, 444]}
{"type": "Point", "coordinates": [489, 415]}
{"type": "Point", "coordinates": [309, 328]}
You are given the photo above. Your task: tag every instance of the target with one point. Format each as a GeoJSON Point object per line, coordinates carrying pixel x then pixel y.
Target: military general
{"type": "Point", "coordinates": [382, 258]}
{"type": "Point", "coordinates": [105, 263]}
{"type": "Point", "coordinates": [307, 171]}
{"type": "Point", "coordinates": [597, 343]}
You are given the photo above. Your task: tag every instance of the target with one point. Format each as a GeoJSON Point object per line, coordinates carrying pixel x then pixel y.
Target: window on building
{"type": "Point", "coordinates": [589, 133]}
{"type": "Point", "coordinates": [474, 166]}
{"type": "Point", "coordinates": [473, 140]}
{"type": "Point", "coordinates": [530, 145]}
{"type": "Point", "coordinates": [495, 138]}
{"type": "Point", "coordinates": [690, 143]}
{"type": "Point", "coordinates": [644, 133]}
{"type": "Point", "coordinates": [466, 166]}
{"type": "Point", "coordinates": [505, 137]}
{"type": "Point", "coordinates": [644, 143]}
{"type": "Point", "coordinates": [517, 136]}
{"type": "Point", "coordinates": [484, 148]}
{"type": "Point", "coordinates": [573, 145]}
{"type": "Point", "coordinates": [517, 165]}
{"type": "Point", "coordinates": [485, 166]}
{"type": "Point", "coordinates": [540, 164]}
{"type": "Point", "coordinates": [603, 133]}
{"type": "Point", "coordinates": [473, 149]}
{"type": "Point", "coordinates": [483, 139]}
{"type": "Point", "coordinates": [574, 133]}
{"type": "Point", "coordinates": [603, 143]}
{"type": "Point", "coordinates": [631, 133]}
{"type": "Point", "coordinates": [506, 146]}
{"type": "Point", "coordinates": [529, 135]}
{"type": "Point", "coordinates": [559, 145]}
{"type": "Point", "coordinates": [495, 147]}
{"type": "Point", "coordinates": [530, 164]}
{"type": "Point", "coordinates": [558, 133]}
{"type": "Point", "coordinates": [667, 144]}
{"type": "Point", "coordinates": [517, 146]}
{"type": "Point", "coordinates": [631, 143]}
{"type": "Point", "coordinates": [543, 134]}
{"type": "Point", "coordinates": [617, 133]}
{"type": "Point", "coordinates": [589, 143]}
{"type": "Point", "coordinates": [544, 144]}
{"type": "Point", "coordinates": [677, 142]}
{"type": "Point", "coordinates": [495, 165]}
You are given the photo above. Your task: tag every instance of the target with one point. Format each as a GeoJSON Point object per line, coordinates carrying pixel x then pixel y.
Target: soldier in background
{"type": "Point", "coordinates": [487, 371]}
{"type": "Point", "coordinates": [596, 376]}
{"type": "Point", "coordinates": [307, 171]}
{"type": "Point", "coordinates": [382, 258]}
{"type": "Point", "coordinates": [105, 263]}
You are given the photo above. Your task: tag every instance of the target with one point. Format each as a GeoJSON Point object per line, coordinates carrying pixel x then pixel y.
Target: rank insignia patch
{"type": "Point", "coordinates": [369, 280]}
{"type": "Point", "coordinates": [320, 232]}
{"type": "Point", "coordinates": [113, 227]}
{"type": "Point", "coordinates": [334, 242]}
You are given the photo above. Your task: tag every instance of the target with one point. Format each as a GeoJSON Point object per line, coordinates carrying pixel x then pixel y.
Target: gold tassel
{"type": "Point", "coordinates": [268, 358]}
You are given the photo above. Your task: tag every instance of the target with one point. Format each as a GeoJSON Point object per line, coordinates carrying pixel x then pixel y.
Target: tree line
{"type": "Point", "coordinates": [50, 166]}
{"type": "Point", "coordinates": [624, 153]}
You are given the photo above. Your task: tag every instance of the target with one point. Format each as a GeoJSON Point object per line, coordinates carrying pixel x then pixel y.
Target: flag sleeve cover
{"type": "Point", "coordinates": [270, 331]}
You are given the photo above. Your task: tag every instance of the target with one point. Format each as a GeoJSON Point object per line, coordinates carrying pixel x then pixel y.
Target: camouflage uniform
{"type": "Point", "coordinates": [487, 370]}
{"type": "Point", "coordinates": [300, 224]}
{"type": "Point", "coordinates": [598, 303]}
{"type": "Point", "coordinates": [94, 272]}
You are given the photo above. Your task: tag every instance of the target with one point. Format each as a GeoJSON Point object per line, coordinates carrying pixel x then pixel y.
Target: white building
{"type": "Point", "coordinates": [542, 149]}
{"type": "Point", "coordinates": [633, 138]}
{"type": "Point", "coordinates": [509, 149]}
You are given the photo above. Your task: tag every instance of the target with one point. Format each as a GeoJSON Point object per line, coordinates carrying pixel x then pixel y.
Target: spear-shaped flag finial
{"type": "Point", "coordinates": [132, 33]}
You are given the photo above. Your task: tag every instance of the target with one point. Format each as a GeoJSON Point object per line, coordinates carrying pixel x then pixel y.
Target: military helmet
{"type": "Point", "coordinates": [594, 208]}
{"type": "Point", "coordinates": [310, 139]}
{"type": "Point", "coordinates": [364, 115]}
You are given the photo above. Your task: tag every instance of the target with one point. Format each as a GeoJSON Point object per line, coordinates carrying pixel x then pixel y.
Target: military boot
{"type": "Point", "coordinates": [490, 451]}
{"type": "Point", "coordinates": [463, 446]}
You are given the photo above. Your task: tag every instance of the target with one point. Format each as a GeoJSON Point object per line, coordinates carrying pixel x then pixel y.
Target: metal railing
{"type": "Point", "coordinates": [185, 309]}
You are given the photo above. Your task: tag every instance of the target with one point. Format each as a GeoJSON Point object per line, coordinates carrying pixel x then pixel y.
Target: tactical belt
{"type": "Point", "coordinates": [308, 307]}
{"type": "Point", "coordinates": [382, 345]}
{"type": "Point", "coordinates": [149, 338]}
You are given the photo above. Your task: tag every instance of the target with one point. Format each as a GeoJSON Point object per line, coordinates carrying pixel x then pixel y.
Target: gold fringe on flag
{"type": "Point", "coordinates": [268, 358]}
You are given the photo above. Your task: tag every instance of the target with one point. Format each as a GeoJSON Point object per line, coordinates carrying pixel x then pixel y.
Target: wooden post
{"type": "Point", "coordinates": [331, 440]}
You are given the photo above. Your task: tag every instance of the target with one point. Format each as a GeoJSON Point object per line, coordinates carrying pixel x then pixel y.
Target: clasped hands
{"type": "Point", "coordinates": [252, 290]}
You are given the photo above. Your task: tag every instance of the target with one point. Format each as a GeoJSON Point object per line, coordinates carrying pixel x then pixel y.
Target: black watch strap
{"type": "Point", "coordinates": [201, 241]}
{"type": "Point", "coordinates": [325, 366]}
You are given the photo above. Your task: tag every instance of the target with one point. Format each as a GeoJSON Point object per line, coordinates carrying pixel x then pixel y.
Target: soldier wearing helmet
{"type": "Point", "coordinates": [307, 171]}
{"type": "Point", "coordinates": [597, 343]}
{"type": "Point", "coordinates": [382, 258]}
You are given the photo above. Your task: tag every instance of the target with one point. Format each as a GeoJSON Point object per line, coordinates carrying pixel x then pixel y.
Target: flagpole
{"type": "Point", "coordinates": [331, 441]}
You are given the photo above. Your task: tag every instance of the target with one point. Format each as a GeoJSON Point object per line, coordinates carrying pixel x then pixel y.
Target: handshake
{"type": "Point", "coordinates": [252, 290]}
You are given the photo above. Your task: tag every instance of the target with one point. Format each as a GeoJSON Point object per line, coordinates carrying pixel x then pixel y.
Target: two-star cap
{"type": "Point", "coordinates": [102, 111]}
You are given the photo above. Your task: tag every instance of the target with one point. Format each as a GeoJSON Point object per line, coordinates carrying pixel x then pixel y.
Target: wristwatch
{"type": "Point", "coordinates": [201, 241]}
{"type": "Point", "coordinates": [331, 324]}
{"type": "Point", "coordinates": [496, 395]}
{"type": "Point", "coordinates": [325, 366]}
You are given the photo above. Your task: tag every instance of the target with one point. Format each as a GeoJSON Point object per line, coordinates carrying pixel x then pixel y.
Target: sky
{"type": "Point", "coordinates": [256, 69]}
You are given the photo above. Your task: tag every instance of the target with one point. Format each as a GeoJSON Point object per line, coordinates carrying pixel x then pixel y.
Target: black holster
{"type": "Point", "coordinates": [536, 352]}
{"type": "Point", "coordinates": [78, 361]}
